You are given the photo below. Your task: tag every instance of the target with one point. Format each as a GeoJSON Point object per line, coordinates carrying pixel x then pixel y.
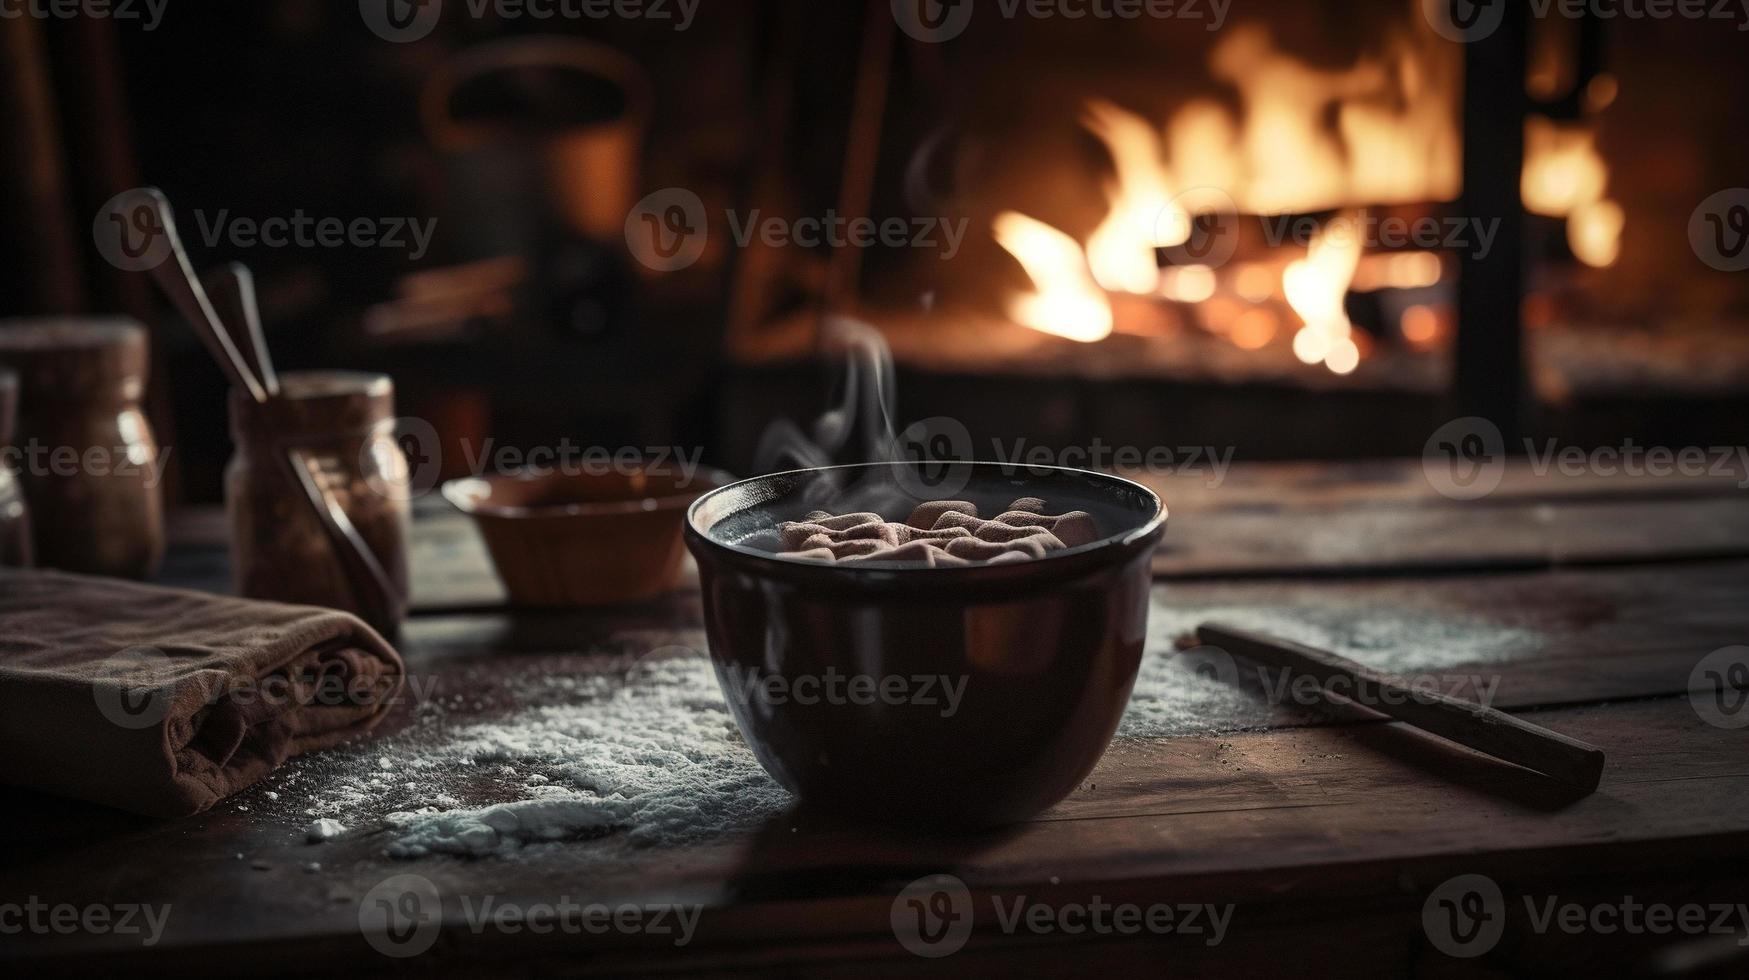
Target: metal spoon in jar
{"type": "Point", "coordinates": [235, 286]}
{"type": "Point", "coordinates": [185, 290]}
{"type": "Point", "coordinates": [232, 288]}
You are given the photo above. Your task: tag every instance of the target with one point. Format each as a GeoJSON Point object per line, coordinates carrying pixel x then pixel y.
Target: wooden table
{"type": "Point", "coordinates": [1327, 834]}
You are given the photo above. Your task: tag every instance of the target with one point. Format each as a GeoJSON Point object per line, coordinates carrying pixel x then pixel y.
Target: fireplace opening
{"type": "Point", "coordinates": [1316, 230]}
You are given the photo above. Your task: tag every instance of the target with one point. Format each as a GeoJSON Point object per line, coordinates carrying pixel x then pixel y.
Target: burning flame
{"type": "Point", "coordinates": [1594, 233]}
{"type": "Point", "coordinates": [1395, 139]}
{"type": "Point", "coordinates": [1561, 168]}
{"type": "Point", "coordinates": [1304, 138]}
{"type": "Point", "coordinates": [1203, 145]}
{"type": "Point", "coordinates": [1315, 287]}
{"type": "Point", "coordinates": [1065, 300]}
{"type": "Point", "coordinates": [1565, 177]}
{"type": "Point", "coordinates": [1121, 250]}
{"type": "Point", "coordinates": [1289, 160]}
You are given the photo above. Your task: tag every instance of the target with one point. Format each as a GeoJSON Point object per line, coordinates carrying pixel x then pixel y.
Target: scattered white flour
{"type": "Point", "coordinates": [1171, 699]}
{"type": "Point", "coordinates": [640, 749]}
{"type": "Point", "coordinates": [1415, 631]}
{"type": "Point", "coordinates": [1416, 634]}
{"type": "Point", "coordinates": [657, 755]}
{"type": "Point", "coordinates": [324, 829]}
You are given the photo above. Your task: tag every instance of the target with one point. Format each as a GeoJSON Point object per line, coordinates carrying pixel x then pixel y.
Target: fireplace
{"type": "Point", "coordinates": [1320, 228]}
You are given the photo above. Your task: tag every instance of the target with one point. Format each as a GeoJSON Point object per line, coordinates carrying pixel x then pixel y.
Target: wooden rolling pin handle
{"type": "Point", "coordinates": [1476, 726]}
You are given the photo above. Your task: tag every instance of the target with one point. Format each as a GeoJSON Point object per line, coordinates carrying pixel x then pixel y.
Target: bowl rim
{"type": "Point", "coordinates": [886, 570]}
{"type": "Point", "coordinates": [456, 491]}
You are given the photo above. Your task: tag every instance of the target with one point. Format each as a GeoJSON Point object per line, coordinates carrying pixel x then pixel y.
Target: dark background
{"type": "Point", "coordinates": [264, 108]}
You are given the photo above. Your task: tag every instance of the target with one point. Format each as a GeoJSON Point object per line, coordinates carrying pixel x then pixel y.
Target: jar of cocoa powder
{"type": "Point", "coordinates": [84, 451]}
{"type": "Point", "coordinates": [317, 493]}
{"type": "Point", "coordinates": [14, 517]}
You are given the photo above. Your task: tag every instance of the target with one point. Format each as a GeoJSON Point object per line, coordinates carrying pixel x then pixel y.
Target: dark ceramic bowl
{"type": "Point", "coordinates": [842, 678]}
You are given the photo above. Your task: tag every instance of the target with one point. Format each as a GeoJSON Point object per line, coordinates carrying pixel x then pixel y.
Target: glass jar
{"type": "Point", "coordinates": [85, 453]}
{"type": "Point", "coordinates": [14, 517]}
{"type": "Point", "coordinates": [317, 493]}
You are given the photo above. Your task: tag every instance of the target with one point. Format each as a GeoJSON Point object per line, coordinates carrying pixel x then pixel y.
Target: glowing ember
{"type": "Point", "coordinates": [1311, 345]}
{"type": "Point", "coordinates": [1398, 270]}
{"type": "Point", "coordinates": [1253, 329]}
{"type": "Point", "coordinates": [1420, 325]}
{"type": "Point", "coordinates": [1254, 281]}
{"type": "Point", "coordinates": [1065, 300]}
{"type": "Point", "coordinates": [1188, 283]}
{"type": "Point", "coordinates": [1315, 287]}
{"type": "Point", "coordinates": [1343, 355]}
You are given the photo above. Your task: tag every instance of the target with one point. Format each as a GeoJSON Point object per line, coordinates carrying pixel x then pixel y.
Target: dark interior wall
{"type": "Point", "coordinates": [277, 109]}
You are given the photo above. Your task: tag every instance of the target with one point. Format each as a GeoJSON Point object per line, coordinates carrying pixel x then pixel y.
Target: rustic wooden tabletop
{"type": "Point", "coordinates": [1282, 837]}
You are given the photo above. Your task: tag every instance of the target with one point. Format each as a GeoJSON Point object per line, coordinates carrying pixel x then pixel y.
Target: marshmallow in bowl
{"type": "Point", "coordinates": [937, 534]}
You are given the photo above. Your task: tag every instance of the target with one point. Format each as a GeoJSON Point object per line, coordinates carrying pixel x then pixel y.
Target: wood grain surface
{"type": "Point", "coordinates": [1326, 830]}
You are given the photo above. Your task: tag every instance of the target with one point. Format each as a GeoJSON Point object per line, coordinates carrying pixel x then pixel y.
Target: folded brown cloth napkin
{"type": "Point", "coordinates": [163, 701]}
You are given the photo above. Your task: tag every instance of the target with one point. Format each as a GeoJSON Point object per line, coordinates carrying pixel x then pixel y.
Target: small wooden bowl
{"type": "Point", "coordinates": [583, 539]}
